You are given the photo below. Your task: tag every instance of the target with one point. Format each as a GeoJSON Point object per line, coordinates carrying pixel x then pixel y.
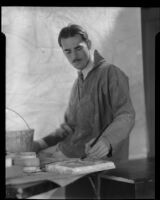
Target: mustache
{"type": "Point", "coordinates": [76, 60]}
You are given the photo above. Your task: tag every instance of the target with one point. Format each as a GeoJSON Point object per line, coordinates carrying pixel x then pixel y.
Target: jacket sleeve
{"type": "Point", "coordinates": [65, 128]}
{"type": "Point", "coordinates": [116, 88]}
{"type": "Point", "coordinates": [58, 135]}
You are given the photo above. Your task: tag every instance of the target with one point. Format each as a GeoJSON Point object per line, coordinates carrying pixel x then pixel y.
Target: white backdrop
{"type": "Point", "coordinates": [38, 76]}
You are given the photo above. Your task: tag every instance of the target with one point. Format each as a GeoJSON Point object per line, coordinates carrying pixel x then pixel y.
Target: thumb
{"type": "Point", "coordinates": [87, 145]}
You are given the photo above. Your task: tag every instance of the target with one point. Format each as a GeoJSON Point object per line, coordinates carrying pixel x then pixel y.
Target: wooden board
{"type": "Point", "coordinates": [78, 166]}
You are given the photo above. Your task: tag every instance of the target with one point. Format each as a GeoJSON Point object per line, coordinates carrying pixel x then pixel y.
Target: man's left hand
{"type": "Point", "coordinates": [98, 151]}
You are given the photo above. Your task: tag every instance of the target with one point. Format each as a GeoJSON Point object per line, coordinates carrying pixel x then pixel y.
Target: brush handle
{"type": "Point", "coordinates": [95, 141]}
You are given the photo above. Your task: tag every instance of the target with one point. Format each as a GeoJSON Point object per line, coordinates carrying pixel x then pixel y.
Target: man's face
{"type": "Point", "coordinates": [76, 51]}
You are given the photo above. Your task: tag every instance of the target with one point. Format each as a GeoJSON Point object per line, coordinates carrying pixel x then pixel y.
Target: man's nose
{"type": "Point", "coordinates": [74, 55]}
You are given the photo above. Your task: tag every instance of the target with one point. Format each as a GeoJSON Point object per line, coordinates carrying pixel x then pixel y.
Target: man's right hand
{"type": "Point", "coordinates": [39, 145]}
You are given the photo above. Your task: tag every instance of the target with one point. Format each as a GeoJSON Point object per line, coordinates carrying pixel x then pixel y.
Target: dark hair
{"type": "Point", "coordinates": [70, 31]}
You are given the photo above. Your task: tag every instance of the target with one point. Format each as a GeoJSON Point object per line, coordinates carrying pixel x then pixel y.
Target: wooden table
{"type": "Point", "coordinates": [22, 191]}
{"type": "Point", "coordinates": [79, 187]}
{"type": "Point", "coordinates": [20, 185]}
{"type": "Point", "coordinates": [134, 179]}
{"type": "Point", "coordinates": [79, 184]}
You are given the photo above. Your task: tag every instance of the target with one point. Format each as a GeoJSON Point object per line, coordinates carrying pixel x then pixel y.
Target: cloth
{"type": "Point", "coordinates": [102, 100]}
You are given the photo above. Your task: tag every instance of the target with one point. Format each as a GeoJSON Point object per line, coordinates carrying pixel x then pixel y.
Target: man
{"type": "Point", "coordinates": [100, 103]}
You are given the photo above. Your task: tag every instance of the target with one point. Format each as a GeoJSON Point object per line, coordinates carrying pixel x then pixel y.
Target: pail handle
{"type": "Point", "coordinates": [19, 116]}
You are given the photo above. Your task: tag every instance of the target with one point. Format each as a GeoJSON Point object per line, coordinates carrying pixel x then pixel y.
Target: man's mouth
{"type": "Point", "coordinates": [76, 61]}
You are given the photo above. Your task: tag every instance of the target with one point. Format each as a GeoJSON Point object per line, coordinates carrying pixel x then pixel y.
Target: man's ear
{"type": "Point", "coordinates": [89, 44]}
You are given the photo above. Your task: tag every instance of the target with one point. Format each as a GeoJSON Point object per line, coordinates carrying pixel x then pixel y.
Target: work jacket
{"type": "Point", "coordinates": [100, 102]}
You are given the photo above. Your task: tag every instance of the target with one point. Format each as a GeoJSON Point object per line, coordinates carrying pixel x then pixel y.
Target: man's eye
{"type": "Point", "coordinates": [68, 52]}
{"type": "Point", "coordinates": [79, 48]}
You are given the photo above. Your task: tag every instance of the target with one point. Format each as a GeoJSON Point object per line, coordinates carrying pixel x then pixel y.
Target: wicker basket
{"type": "Point", "coordinates": [19, 140]}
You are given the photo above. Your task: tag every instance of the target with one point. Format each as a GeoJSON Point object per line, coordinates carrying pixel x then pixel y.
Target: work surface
{"type": "Point", "coordinates": [61, 173]}
{"type": "Point", "coordinates": [62, 180]}
{"type": "Point", "coordinates": [138, 175]}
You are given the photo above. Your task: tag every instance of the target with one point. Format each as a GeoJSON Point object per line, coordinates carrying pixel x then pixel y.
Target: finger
{"type": "Point", "coordinates": [101, 154]}
{"type": "Point", "coordinates": [90, 142]}
{"type": "Point", "coordinates": [97, 156]}
{"type": "Point", "coordinates": [87, 145]}
{"type": "Point", "coordinates": [102, 151]}
{"type": "Point", "coordinates": [93, 149]}
{"type": "Point", "coordinates": [96, 147]}
{"type": "Point", "coordinates": [93, 157]}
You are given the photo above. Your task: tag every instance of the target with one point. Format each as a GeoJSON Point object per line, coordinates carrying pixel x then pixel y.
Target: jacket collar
{"type": "Point", "coordinates": [86, 70]}
{"type": "Point", "coordinates": [98, 59]}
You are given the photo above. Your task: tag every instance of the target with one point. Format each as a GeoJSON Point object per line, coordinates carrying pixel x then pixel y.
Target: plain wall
{"type": "Point", "coordinates": [150, 18]}
{"type": "Point", "coordinates": [39, 78]}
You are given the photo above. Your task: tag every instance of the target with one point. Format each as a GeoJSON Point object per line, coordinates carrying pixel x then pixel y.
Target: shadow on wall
{"type": "Point", "coordinates": [123, 49]}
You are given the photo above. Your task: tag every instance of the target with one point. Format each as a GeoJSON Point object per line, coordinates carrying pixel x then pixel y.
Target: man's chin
{"type": "Point", "coordinates": [77, 66]}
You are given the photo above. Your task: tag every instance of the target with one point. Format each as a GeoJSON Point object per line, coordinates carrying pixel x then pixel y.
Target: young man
{"type": "Point", "coordinates": [100, 103]}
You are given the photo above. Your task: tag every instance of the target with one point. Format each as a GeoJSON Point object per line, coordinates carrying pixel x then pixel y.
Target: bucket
{"type": "Point", "coordinates": [19, 140]}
